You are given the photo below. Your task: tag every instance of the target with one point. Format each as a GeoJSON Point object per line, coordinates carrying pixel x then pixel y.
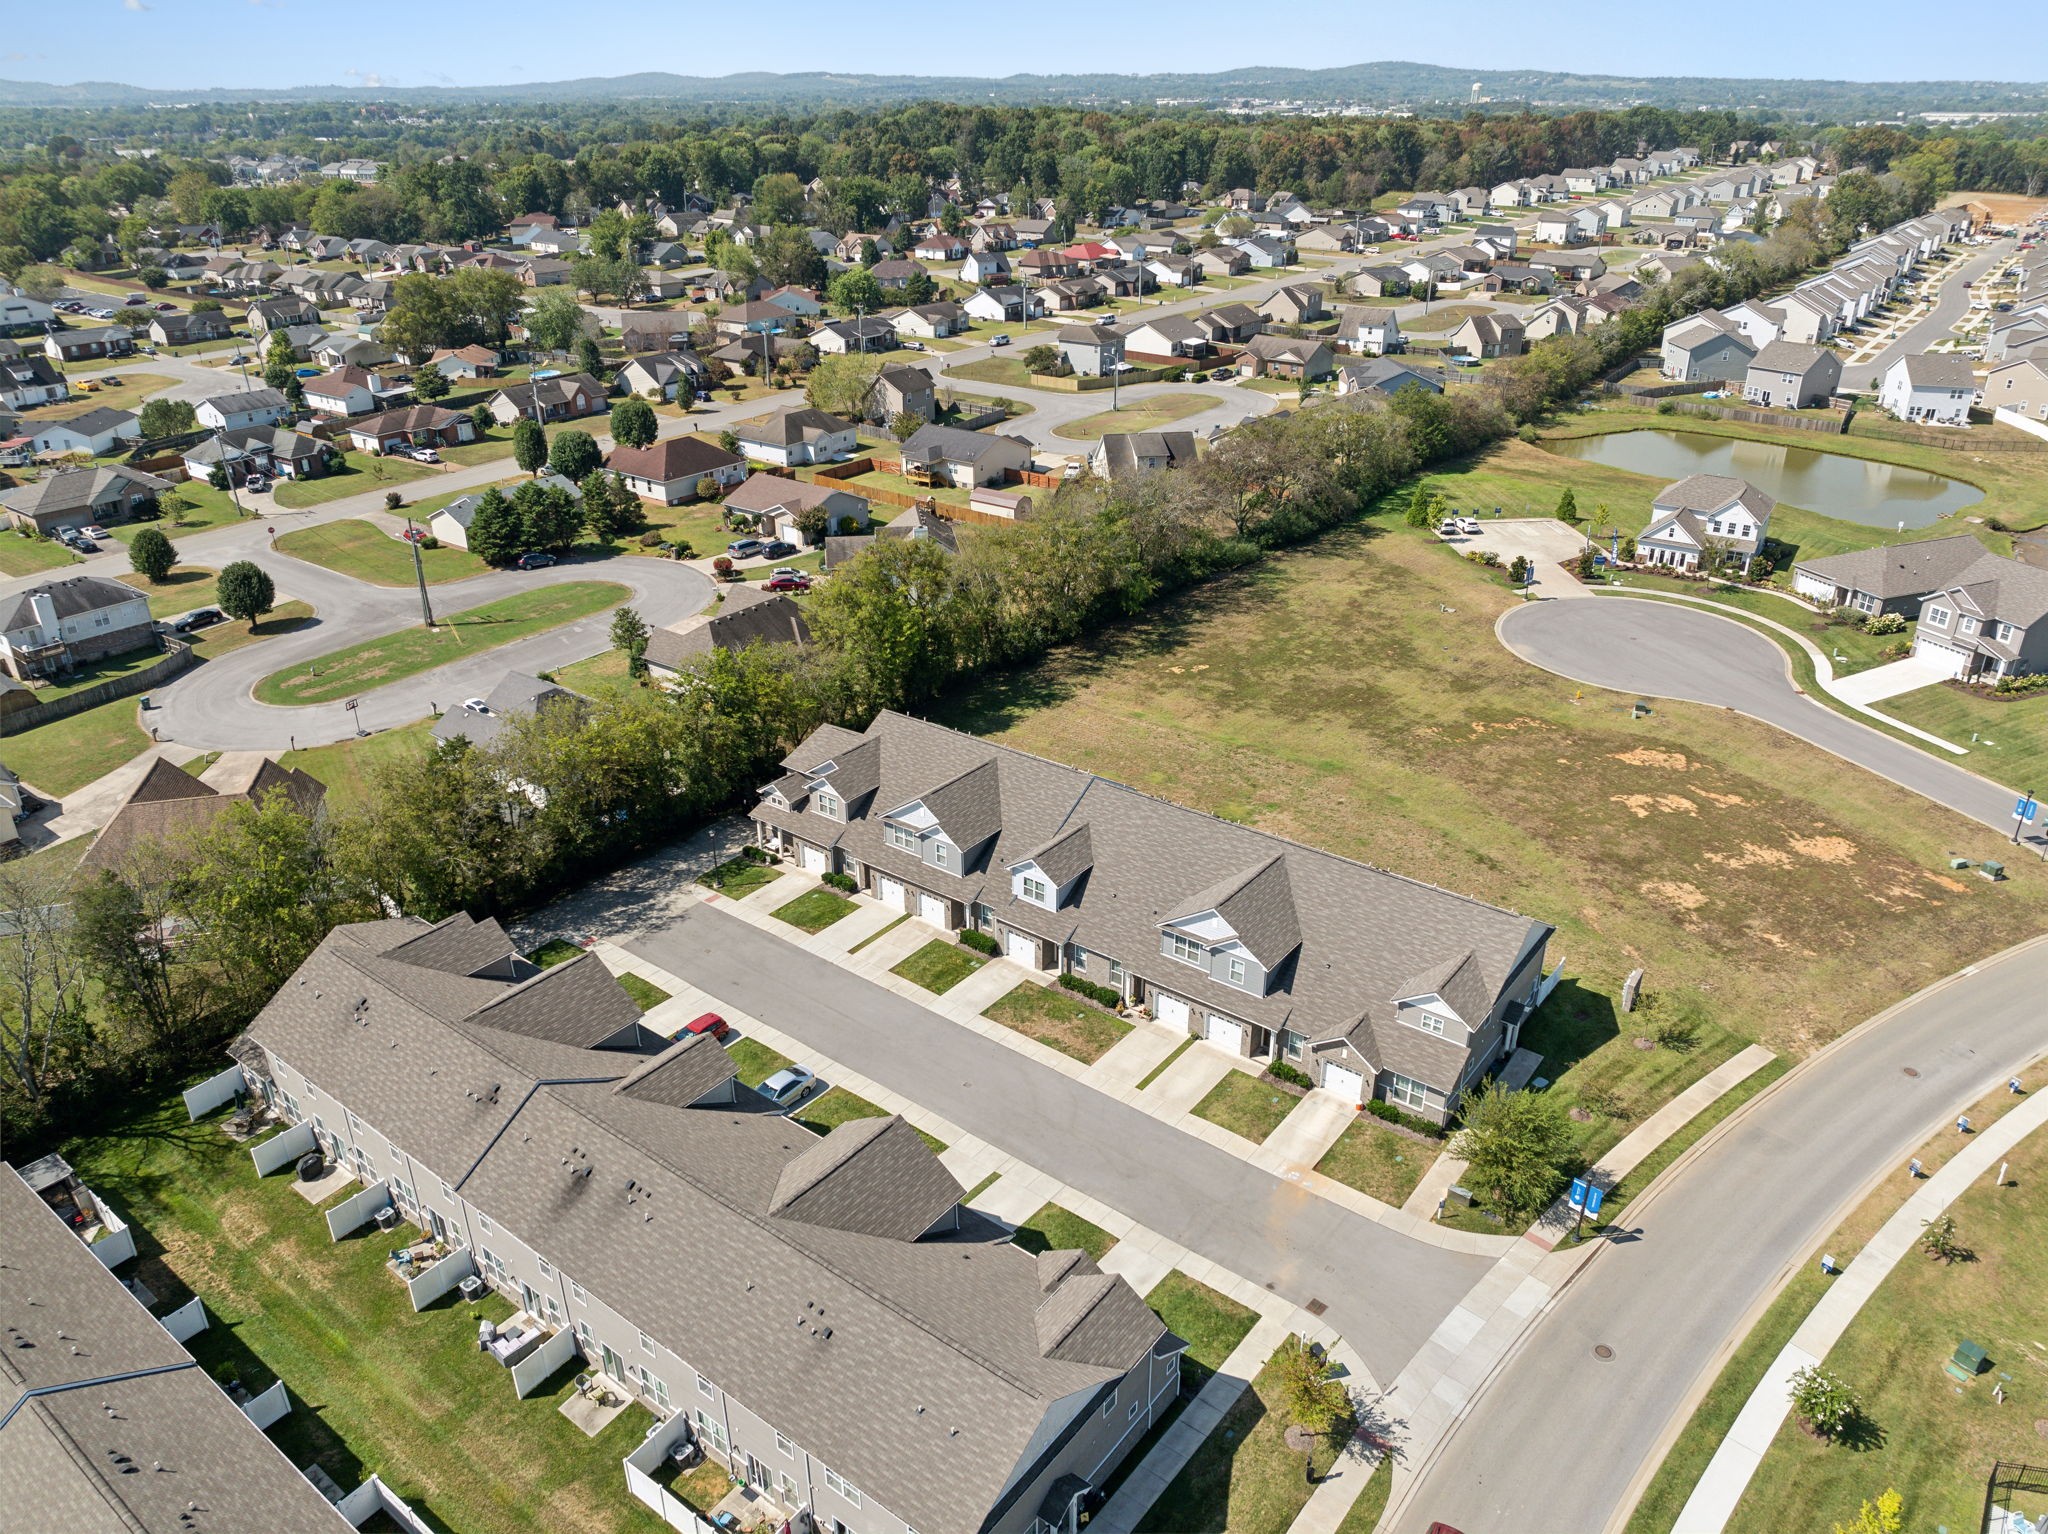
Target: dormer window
{"type": "Point", "coordinates": [901, 839]}
{"type": "Point", "coordinates": [942, 855]}
{"type": "Point", "coordinates": [1428, 1022]}
{"type": "Point", "coordinates": [1034, 890]}
{"type": "Point", "coordinates": [1177, 946]}
{"type": "Point", "coordinates": [1236, 971]}
{"type": "Point", "coordinates": [826, 802]}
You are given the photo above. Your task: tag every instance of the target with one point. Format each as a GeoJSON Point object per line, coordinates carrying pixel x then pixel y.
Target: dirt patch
{"type": "Point", "coordinates": [1721, 801]}
{"type": "Point", "coordinates": [1684, 897]}
{"type": "Point", "coordinates": [1641, 805]}
{"type": "Point", "coordinates": [1825, 849]}
{"type": "Point", "coordinates": [1954, 886]}
{"type": "Point", "coordinates": [1643, 756]}
{"type": "Point", "coordinates": [1480, 726]}
{"type": "Point", "coordinates": [1752, 856]}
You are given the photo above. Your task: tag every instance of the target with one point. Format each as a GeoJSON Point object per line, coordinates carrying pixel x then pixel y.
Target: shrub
{"type": "Point", "coordinates": [753, 852]}
{"type": "Point", "coordinates": [1823, 1402]}
{"type": "Point", "coordinates": [1665, 407]}
{"type": "Point", "coordinates": [681, 550]}
{"type": "Point", "coordinates": [1390, 1114]}
{"type": "Point", "coordinates": [393, 500]}
{"type": "Point", "coordinates": [980, 942]}
{"type": "Point", "coordinates": [846, 884]}
{"type": "Point", "coordinates": [1528, 434]}
{"type": "Point", "coordinates": [1886, 623]}
{"type": "Point", "coordinates": [1101, 995]}
{"type": "Point", "coordinates": [722, 568]}
{"type": "Point", "coordinates": [1281, 1071]}
{"type": "Point", "coordinates": [650, 540]}
{"type": "Point", "coordinates": [430, 542]}
{"type": "Point", "coordinates": [2020, 684]}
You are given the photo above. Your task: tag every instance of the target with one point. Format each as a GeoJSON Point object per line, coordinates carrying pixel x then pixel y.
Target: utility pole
{"type": "Point", "coordinates": [419, 573]}
{"type": "Point", "coordinates": [220, 441]}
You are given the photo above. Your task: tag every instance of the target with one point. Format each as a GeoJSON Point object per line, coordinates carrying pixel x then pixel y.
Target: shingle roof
{"type": "Point", "coordinates": [1708, 493]}
{"type": "Point", "coordinates": [747, 615]}
{"type": "Point", "coordinates": [671, 458]}
{"type": "Point", "coordinates": [1900, 569]}
{"type": "Point", "coordinates": [1126, 452]}
{"type": "Point", "coordinates": [1939, 370]}
{"type": "Point", "coordinates": [247, 401]}
{"type": "Point", "coordinates": [75, 490]}
{"type": "Point", "coordinates": [2004, 589]}
{"type": "Point", "coordinates": [70, 598]}
{"type": "Point", "coordinates": [160, 806]}
{"type": "Point", "coordinates": [790, 425]}
{"type": "Point", "coordinates": [1787, 357]}
{"type": "Point", "coordinates": [516, 695]}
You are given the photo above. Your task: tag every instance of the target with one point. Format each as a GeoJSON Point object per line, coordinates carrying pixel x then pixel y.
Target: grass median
{"type": "Point", "coordinates": [393, 657]}
{"type": "Point", "coordinates": [1153, 414]}
{"type": "Point", "coordinates": [367, 552]}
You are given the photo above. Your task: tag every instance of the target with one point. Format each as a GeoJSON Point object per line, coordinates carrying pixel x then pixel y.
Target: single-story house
{"type": "Point", "coordinates": [97, 431]}
{"type": "Point", "coordinates": [1705, 514]}
{"type": "Point", "coordinates": [796, 434]}
{"type": "Point", "coordinates": [85, 345]}
{"type": "Point", "coordinates": [944, 318]}
{"type": "Point", "coordinates": [451, 523]}
{"type": "Point", "coordinates": [1889, 579]}
{"type": "Point", "coordinates": [26, 382]}
{"type": "Point", "coordinates": [1384, 376]}
{"type": "Point", "coordinates": [1003, 305]}
{"type": "Point", "coordinates": [663, 375]}
{"type": "Point", "coordinates": [465, 362]}
{"type": "Point", "coordinates": [1121, 452]}
{"type": "Point", "coordinates": [1231, 324]}
{"type": "Point", "coordinates": [669, 471]}
{"type": "Point", "coordinates": [412, 426]}
{"type": "Point", "coordinates": [565, 397]}
{"type": "Point", "coordinates": [863, 333]}
{"type": "Point", "coordinates": [247, 407]}
{"type": "Point", "coordinates": [778, 505]}
{"type": "Point", "coordinates": [1287, 357]}
{"type": "Point", "coordinates": [273, 450]}
{"type": "Point", "coordinates": [182, 329]}
{"type": "Point", "coordinates": [74, 498]}
{"type": "Point", "coordinates": [743, 615]}
{"type": "Point", "coordinates": [1169, 335]}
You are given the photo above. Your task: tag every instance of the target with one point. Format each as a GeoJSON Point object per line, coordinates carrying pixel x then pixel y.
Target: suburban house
{"type": "Point", "coordinates": [669, 471]}
{"type": "Point", "coordinates": [743, 614]}
{"type": "Point", "coordinates": [183, 329]}
{"type": "Point", "coordinates": [2020, 386]}
{"type": "Point", "coordinates": [280, 313]}
{"type": "Point", "coordinates": [109, 1423]}
{"type": "Point", "coordinates": [1704, 347]}
{"type": "Point", "coordinates": [51, 629]}
{"type": "Point", "coordinates": [75, 498]}
{"type": "Point", "coordinates": [895, 273]}
{"type": "Point", "coordinates": [1231, 324]}
{"type": "Point", "coordinates": [273, 450]}
{"type": "Point", "coordinates": [26, 382]}
{"type": "Point", "coordinates": [1295, 304]}
{"type": "Point", "coordinates": [1072, 293]}
{"type": "Point", "coordinates": [863, 333]}
{"type": "Point", "coordinates": [1223, 261]}
{"type": "Point", "coordinates": [1092, 351]}
{"type": "Point", "coordinates": [20, 315]}
{"type": "Point", "coordinates": [1375, 985]}
{"type": "Point", "coordinates": [1384, 376]}
{"type": "Point", "coordinates": [506, 1107]}
{"type": "Point", "coordinates": [1126, 452]}
{"type": "Point", "coordinates": [465, 362]}
{"type": "Point", "coordinates": [1987, 621]}
{"type": "Point", "coordinates": [757, 318]}
{"type": "Point", "coordinates": [1704, 515]}
{"type": "Point", "coordinates": [777, 505]}
{"type": "Point", "coordinates": [1932, 388]}
{"type": "Point", "coordinates": [900, 389]}
{"type": "Point", "coordinates": [1003, 305]}
{"type": "Point", "coordinates": [1370, 332]}
{"type": "Point", "coordinates": [249, 407]}
{"type": "Point", "coordinates": [344, 392]}
{"type": "Point", "coordinates": [1488, 335]}
{"type": "Point", "coordinates": [452, 522]}
{"type": "Point", "coordinates": [1788, 376]}
{"type": "Point", "coordinates": [1890, 579]}
{"type": "Point", "coordinates": [985, 266]}
{"type": "Point", "coordinates": [944, 318]}
{"type": "Point", "coordinates": [663, 375]}
{"type": "Point", "coordinates": [796, 434]}
{"type": "Point", "coordinates": [1169, 335]}
{"type": "Point", "coordinates": [94, 432]}
{"type": "Point", "coordinates": [1299, 357]}
{"type": "Point", "coordinates": [947, 455]}
{"type": "Point", "coordinates": [85, 345]}
{"type": "Point", "coordinates": [565, 397]}
{"type": "Point", "coordinates": [515, 695]}
{"type": "Point", "coordinates": [412, 426]}
{"type": "Point", "coordinates": [913, 522]}
{"type": "Point", "coordinates": [170, 799]}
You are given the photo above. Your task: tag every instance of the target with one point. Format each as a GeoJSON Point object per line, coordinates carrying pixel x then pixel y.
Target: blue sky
{"type": "Point", "coordinates": [485, 42]}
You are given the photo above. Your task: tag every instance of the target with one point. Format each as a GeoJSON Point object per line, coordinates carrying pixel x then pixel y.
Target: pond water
{"type": "Point", "coordinates": [1853, 489]}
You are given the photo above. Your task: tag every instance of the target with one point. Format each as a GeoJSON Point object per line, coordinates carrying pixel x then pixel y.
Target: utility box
{"type": "Point", "coordinates": [1461, 1195]}
{"type": "Point", "coordinates": [1968, 1362]}
{"type": "Point", "coordinates": [1990, 870]}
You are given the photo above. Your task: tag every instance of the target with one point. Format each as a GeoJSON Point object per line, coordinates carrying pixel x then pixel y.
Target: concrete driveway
{"type": "Point", "coordinates": [1664, 650]}
{"type": "Point", "coordinates": [1544, 541]}
{"type": "Point", "coordinates": [1879, 682]}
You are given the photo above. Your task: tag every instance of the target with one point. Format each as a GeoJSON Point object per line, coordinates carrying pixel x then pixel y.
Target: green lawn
{"type": "Point", "coordinates": [188, 507]}
{"type": "Point", "coordinates": [827, 1112]}
{"type": "Point", "coordinates": [739, 876]}
{"type": "Point", "coordinates": [32, 556]}
{"type": "Point", "coordinates": [2008, 741]}
{"type": "Point", "coordinates": [1211, 1324]}
{"type": "Point", "coordinates": [376, 1387]}
{"type": "Point", "coordinates": [357, 474]}
{"type": "Point", "coordinates": [556, 950]}
{"type": "Point", "coordinates": [1054, 1229]}
{"type": "Point", "coordinates": [182, 589]}
{"type": "Point", "coordinates": [604, 672]}
{"type": "Point", "coordinates": [113, 669]}
{"type": "Point", "coordinates": [755, 1061]}
{"type": "Point", "coordinates": [881, 479]}
{"type": "Point", "coordinates": [1246, 1105]}
{"type": "Point", "coordinates": [66, 754]}
{"type": "Point", "coordinates": [815, 910]}
{"type": "Point", "coordinates": [1644, 1172]}
{"type": "Point", "coordinates": [365, 551]}
{"type": "Point", "coordinates": [345, 766]}
{"type": "Point", "coordinates": [1364, 1516]}
{"type": "Point", "coordinates": [375, 662]}
{"type": "Point", "coordinates": [1154, 414]}
{"type": "Point", "coordinates": [1443, 318]}
{"type": "Point", "coordinates": [1378, 1162]}
{"type": "Point", "coordinates": [128, 394]}
{"type": "Point", "coordinates": [1244, 1478]}
{"type": "Point", "coordinates": [492, 445]}
{"type": "Point", "coordinates": [285, 618]}
{"type": "Point", "coordinates": [939, 966]}
{"type": "Point", "coordinates": [1006, 371]}
{"type": "Point", "coordinates": [1053, 1017]}
{"type": "Point", "coordinates": [645, 993]}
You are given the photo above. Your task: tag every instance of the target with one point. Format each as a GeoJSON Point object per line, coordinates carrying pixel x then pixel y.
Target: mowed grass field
{"type": "Point", "coordinates": [1353, 696]}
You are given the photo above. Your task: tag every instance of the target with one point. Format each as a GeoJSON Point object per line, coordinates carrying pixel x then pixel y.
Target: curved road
{"type": "Point", "coordinates": [1665, 650]}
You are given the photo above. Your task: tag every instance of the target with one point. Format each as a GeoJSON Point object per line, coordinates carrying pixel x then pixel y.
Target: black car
{"type": "Point", "coordinates": [205, 618]}
{"type": "Point", "coordinates": [779, 550]}
{"type": "Point", "coordinates": [536, 561]}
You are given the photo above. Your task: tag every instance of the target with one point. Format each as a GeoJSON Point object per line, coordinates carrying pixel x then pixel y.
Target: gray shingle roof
{"type": "Point", "coordinates": [1899, 570]}
{"type": "Point", "coordinates": [77, 490]}
{"type": "Point", "coordinates": [1939, 370]}
{"type": "Point", "coordinates": [70, 598]}
{"type": "Point", "coordinates": [1786, 357]}
{"type": "Point", "coordinates": [748, 615]}
{"type": "Point", "coordinates": [1710, 493]}
{"type": "Point", "coordinates": [2004, 589]}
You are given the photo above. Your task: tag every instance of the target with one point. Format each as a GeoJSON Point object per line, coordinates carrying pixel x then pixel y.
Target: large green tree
{"type": "Point", "coordinates": [245, 591]}
{"type": "Point", "coordinates": [497, 534]}
{"type": "Point", "coordinates": [633, 423]}
{"type": "Point", "coordinates": [551, 517]}
{"type": "Point", "coordinates": [1518, 1148]}
{"type": "Point", "coordinates": [574, 454]}
{"type": "Point", "coordinates": [529, 444]}
{"type": "Point", "coordinates": [555, 320]}
{"type": "Point", "coordinates": [151, 554]}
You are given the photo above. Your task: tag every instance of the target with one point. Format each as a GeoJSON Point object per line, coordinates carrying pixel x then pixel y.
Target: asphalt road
{"type": "Point", "coordinates": [1664, 650]}
{"type": "Point", "coordinates": [1950, 305]}
{"type": "Point", "coordinates": [1556, 1441]}
{"type": "Point", "coordinates": [1386, 1292]}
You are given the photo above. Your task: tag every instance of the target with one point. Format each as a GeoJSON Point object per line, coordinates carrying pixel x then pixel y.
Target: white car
{"type": "Point", "coordinates": [476, 706]}
{"type": "Point", "coordinates": [1469, 526]}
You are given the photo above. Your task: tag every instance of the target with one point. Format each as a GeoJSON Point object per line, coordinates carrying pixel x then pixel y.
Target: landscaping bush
{"type": "Point", "coordinates": [2017, 684]}
{"type": "Point", "coordinates": [650, 540]}
{"type": "Point", "coordinates": [393, 500]}
{"type": "Point", "coordinates": [1101, 995]}
{"type": "Point", "coordinates": [753, 852]}
{"type": "Point", "coordinates": [1528, 434]}
{"type": "Point", "coordinates": [846, 884]}
{"type": "Point", "coordinates": [1388, 1113]}
{"type": "Point", "coordinates": [980, 942]}
{"type": "Point", "coordinates": [1281, 1071]}
{"type": "Point", "coordinates": [1886, 623]}
{"type": "Point", "coordinates": [1665, 407]}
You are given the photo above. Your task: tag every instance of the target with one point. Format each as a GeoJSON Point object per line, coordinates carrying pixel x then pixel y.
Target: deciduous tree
{"type": "Point", "coordinates": [151, 554]}
{"type": "Point", "coordinates": [574, 455]}
{"type": "Point", "coordinates": [245, 591]}
{"type": "Point", "coordinates": [529, 444]}
{"type": "Point", "coordinates": [1518, 1147]}
{"type": "Point", "coordinates": [633, 423]}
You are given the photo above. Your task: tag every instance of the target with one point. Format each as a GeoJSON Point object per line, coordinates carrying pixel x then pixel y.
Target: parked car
{"type": "Point", "coordinates": [96, 532]}
{"type": "Point", "coordinates": [745, 548]}
{"type": "Point", "coordinates": [423, 455]}
{"type": "Point", "coordinates": [83, 544]}
{"type": "Point", "coordinates": [475, 706]}
{"type": "Point", "coordinates": [204, 618]}
{"type": "Point", "coordinates": [710, 1023]}
{"type": "Point", "coordinates": [787, 1088]}
{"type": "Point", "coordinates": [257, 484]}
{"type": "Point", "coordinates": [1469, 526]}
{"type": "Point", "coordinates": [1221, 375]}
{"type": "Point", "coordinates": [779, 550]}
{"type": "Point", "coordinates": [166, 308]}
{"type": "Point", "coordinates": [537, 560]}
{"type": "Point", "coordinates": [787, 583]}
{"type": "Point", "coordinates": [414, 535]}
{"type": "Point", "coordinates": [132, 299]}
{"type": "Point", "coordinates": [109, 380]}
{"type": "Point", "coordinates": [999, 341]}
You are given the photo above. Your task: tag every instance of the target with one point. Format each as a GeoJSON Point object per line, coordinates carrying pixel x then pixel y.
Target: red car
{"type": "Point", "coordinates": [710, 1023]}
{"type": "Point", "coordinates": [788, 583]}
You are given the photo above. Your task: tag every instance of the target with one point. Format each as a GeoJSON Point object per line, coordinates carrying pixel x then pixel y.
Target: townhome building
{"type": "Point", "coordinates": [1375, 985]}
{"type": "Point", "coordinates": [869, 1354]}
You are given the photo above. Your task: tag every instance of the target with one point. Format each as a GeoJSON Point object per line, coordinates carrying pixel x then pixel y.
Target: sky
{"type": "Point", "coordinates": [278, 43]}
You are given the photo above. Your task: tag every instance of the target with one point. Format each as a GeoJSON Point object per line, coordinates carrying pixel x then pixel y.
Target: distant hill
{"type": "Point", "coordinates": [1387, 84]}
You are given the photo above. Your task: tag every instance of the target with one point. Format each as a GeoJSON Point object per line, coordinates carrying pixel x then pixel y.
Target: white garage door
{"type": "Point", "coordinates": [813, 859]}
{"type": "Point", "coordinates": [889, 891]}
{"type": "Point", "coordinates": [1023, 948]}
{"type": "Point", "coordinates": [1947, 656]}
{"type": "Point", "coordinates": [931, 908]}
{"type": "Point", "coordinates": [1173, 1011]}
{"type": "Point", "coordinates": [1226, 1033]}
{"type": "Point", "coordinates": [1345, 1083]}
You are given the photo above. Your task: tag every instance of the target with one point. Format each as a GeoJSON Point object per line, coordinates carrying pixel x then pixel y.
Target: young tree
{"type": "Point", "coordinates": [1042, 359]}
{"type": "Point", "coordinates": [44, 1028]}
{"type": "Point", "coordinates": [123, 924]}
{"type": "Point", "coordinates": [280, 362]}
{"type": "Point", "coordinates": [1567, 506]}
{"type": "Point", "coordinates": [481, 418]}
{"type": "Point", "coordinates": [529, 445]}
{"type": "Point", "coordinates": [1422, 506]}
{"type": "Point", "coordinates": [151, 554]}
{"type": "Point", "coordinates": [1823, 1403]}
{"type": "Point", "coordinates": [497, 535]}
{"type": "Point", "coordinates": [634, 423]}
{"type": "Point", "coordinates": [574, 455]}
{"type": "Point", "coordinates": [217, 477]}
{"type": "Point", "coordinates": [918, 288]}
{"type": "Point", "coordinates": [430, 383]}
{"type": "Point", "coordinates": [905, 424]}
{"type": "Point", "coordinates": [1314, 1399]}
{"type": "Point", "coordinates": [811, 525]}
{"type": "Point", "coordinates": [729, 440]}
{"type": "Point", "coordinates": [629, 636]}
{"type": "Point", "coordinates": [155, 278]}
{"type": "Point", "coordinates": [245, 591]}
{"type": "Point", "coordinates": [167, 418]}
{"type": "Point", "coordinates": [1887, 1515]}
{"type": "Point", "coordinates": [1518, 1147]}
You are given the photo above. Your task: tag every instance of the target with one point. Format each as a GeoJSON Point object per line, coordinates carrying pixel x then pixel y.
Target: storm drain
{"type": "Point", "coordinates": [1315, 1307]}
{"type": "Point", "coordinates": [1602, 1351]}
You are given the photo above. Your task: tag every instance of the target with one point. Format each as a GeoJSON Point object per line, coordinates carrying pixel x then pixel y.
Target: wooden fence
{"type": "Point", "coordinates": [177, 659]}
{"type": "Point", "coordinates": [1826, 425]}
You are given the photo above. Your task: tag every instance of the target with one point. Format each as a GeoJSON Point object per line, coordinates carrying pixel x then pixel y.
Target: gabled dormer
{"type": "Point", "coordinates": [1450, 1000]}
{"type": "Point", "coordinates": [947, 827]}
{"type": "Point", "coordinates": [1051, 875]}
{"type": "Point", "coordinates": [838, 787]}
{"type": "Point", "coordinates": [1240, 931]}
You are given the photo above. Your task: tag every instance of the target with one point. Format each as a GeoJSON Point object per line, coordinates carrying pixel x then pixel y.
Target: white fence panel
{"type": "Point", "coordinates": [429, 1286]}
{"type": "Point", "coordinates": [646, 1459]}
{"type": "Point", "coordinates": [352, 1212]}
{"type": "Point", "coordinates": [2014, 418]}
{"type": "Point", "coordinates": [282, 1149]}
{"type": "Point", "coordinates": [374, 1497]}
{"type": "Point", "coordinates": [269, 1407]}
{"type": "Point", "coordinates": [187, 1321]}
{"type": "Point", "coordinates": [214, 1092]}
{"type": "Point", "coordinates": [118, 1244]}
{"type": "Point", "coordinates": [537, 1367]}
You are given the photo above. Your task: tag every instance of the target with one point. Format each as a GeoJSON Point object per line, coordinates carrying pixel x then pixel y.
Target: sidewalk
{"type": "Point", "coordinates": [1728, 1474]}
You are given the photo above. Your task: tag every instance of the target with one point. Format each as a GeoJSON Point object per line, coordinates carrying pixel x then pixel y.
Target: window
{"type": "Point", "coordinates": [901, 839]}
{"type": "Point", "coordinates": [1938, 616]}
{"type": "Point", "coordinates": [1412, 1094]}
{"type": "Point", "coordinates": [547, 1269]}
{"type": "Point", "coordinates": [554, 1309]}
{"type": "Point", "coordinates": [1116, 975]}
{"type": "Point", "coordinates": [826, 802]}
{"type": "Point", "coordinates": [705, 1387]}
{"type": "Point", "coordinates": [840, 1484]}
{"type": "Point", "coordinates": [783, 1445]}
{"type": "Point", "coordinates": [1427, 1022]}
{"type": "Point", "coordinates": [1034, 890]}
{"type": "Point", "coordinates": [2005, 632]}
{"type": "Point", "coordinates": [1291, 1044]}
{"type": "Point", "coordinates": [1965, 624]}
{"type": "Point", "coordinates": [1109, 1403]}
{"type": "Point", "coordinates": [1132, 1414]}
{"type": "Point", "coordinates": [942, 855]}
{"type": "Point", "coordinates": [446, 1192]}
{"type": "Point", "coordinates": [576, 1293]}
{"type": "Point", "coordinates": [711, 1428]}
{"type": "Point", "coordinates": [1235, 972]}
{"type": "Point", "coordinates": [483, 1223]}
{"type": "Point", "coordinates": [1177, 946]}
{"type": "Point", "coordinates": [583, 1336]}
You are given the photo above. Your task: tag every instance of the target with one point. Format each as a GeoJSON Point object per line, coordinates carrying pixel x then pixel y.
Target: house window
{"type": "Point", "coordinates": [1035, 891]}
{"type": "Point", "coordinates": [1177, 946]}
{"type": "Point", "coordinates": [827, 803]}
{"type": "Point", "coordinates": [1427, 1022]}
{"type": "Point", "coordinates": [1109, 1405]}
{"type": "Point", "coordinates": [840, 1484]}
{"type": "Point", "coordinates": [2005, 632]}
{"type": "Point", "coordinates": [1938, 616]}
{"type": "Point", "coordinates": [1291, 1044]}
{"type": "Point", "coordinates": [783, 1445]}
{"type": "Point", "coordinates": [1965, 624]}
{"type": "Point", "coordinates": [1132, 1414]}
{"type": "Point", "coordinates": [646, 1343]}
{"type": "Point", "coordinates": [710, 1427]}
{"type": "Point", "coordinates": [1236, 971]}
{"type": "Point", "coordinates": [941, 855]}
{"type": "Point", "coordinates": [576, 1293]}
{"type": "Point", "coordinates": [547, 1269]}
{"type": "Point", "coordinates": [705, 1387]}
{"type": "Point", "coordinates": [1409, 1093]}
{"type": "Point", "coordinates": [1116, 975]}
{"type": "Point", "coordinates": [483, 1223]}
{"type": "Point", "coordinates": [902, 839]}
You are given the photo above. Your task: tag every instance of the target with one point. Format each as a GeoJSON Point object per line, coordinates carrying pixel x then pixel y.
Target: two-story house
{"type": "Point", "coordinates": [1988, 621]}
{"type": "Point", "coordinates": [1705, 347]}
{"type": "Point", "coordinates": [1932, 388]}
{"type": "Point", "coordinates": [1788, 376]}
{"type": "Point", "coordinates": [51, 629]}
{"type": "Point", "coordinates": [1375, 985]}
{"type": "Point", "coordinates": [1703, 518]}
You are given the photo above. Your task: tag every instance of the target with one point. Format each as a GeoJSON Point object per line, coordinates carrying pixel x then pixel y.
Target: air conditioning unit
{"type": "Point", "coordinates": [387, 1217]}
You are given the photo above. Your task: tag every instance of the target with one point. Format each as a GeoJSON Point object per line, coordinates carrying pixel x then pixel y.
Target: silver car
{"type": "Point", "coordinates": [787, 1088]}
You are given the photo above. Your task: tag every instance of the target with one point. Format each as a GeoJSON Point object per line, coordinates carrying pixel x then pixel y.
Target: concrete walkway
{"type": "Point", "coordinates": [88, 808]}
{"type": "Point", "coordinates": [1728, 1474]}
